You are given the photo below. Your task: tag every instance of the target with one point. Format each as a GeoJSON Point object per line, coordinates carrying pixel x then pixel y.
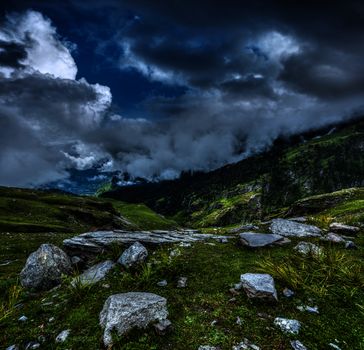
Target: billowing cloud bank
{"type": "Point", "coordinates": [245, 84]}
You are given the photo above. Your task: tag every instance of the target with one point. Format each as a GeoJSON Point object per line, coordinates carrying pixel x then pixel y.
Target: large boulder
{"type": "Point", "coordinates": [259, 285]}
{"type": "Point", "coordinates": [288, 228]}
{"type": "Point", "coordinates": [44, 268]}
{"type": "Point", "coordinates": [344, 229]}
{"type": "Point", "coordinates": [258, 240]}
{"type": "Point", "coordinates": [134, 255]}
{"type": "Point", "coordinates": [122, 312]}
{"type": "Point", "coordinates": [94, 274]}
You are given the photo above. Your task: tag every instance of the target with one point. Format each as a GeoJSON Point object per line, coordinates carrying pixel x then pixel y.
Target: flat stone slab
{"type": "Point", "coordinates": [98, 241]}
{"type": "Point", "coordinates": [122, 312]}
{"type": "Point", "coordinates": [259, 286]}
{"type": "Point", "coordinates": [94, 274]}
{"type": "Point", "coordinates": [257, 240]}
{"type": "Point", "coordinates": [338, 227]}
{"type": "Point", "coordinates": [288, 228]}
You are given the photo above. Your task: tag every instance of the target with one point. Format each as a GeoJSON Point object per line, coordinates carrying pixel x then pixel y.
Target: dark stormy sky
{"type": "Point", "coordinates": [157, 87]}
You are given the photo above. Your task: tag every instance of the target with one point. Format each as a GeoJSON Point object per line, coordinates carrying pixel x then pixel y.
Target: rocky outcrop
{"type": "Point", "coordinates": [288, 228]}
{"type": "Point", "coordinates": [98, 241]}
{"type": "Point", "coordinates": [122, 312]}
{"type": "Point", "coordinates": [44, 268]}
{"type": "Point", "coordinates": [258, 240]}
{"type": "Point", "coordinates": [94, 274]}
{"type": "Point", "coordinates": [134, 255]}
{"type": "Point", "coordinates": [343, 229]}
{"type": "Point", "coordinates": [259, 286]}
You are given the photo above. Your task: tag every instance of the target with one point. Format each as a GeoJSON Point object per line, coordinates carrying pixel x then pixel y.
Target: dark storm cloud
{"type": "Point", "coordinates": [246, 72]}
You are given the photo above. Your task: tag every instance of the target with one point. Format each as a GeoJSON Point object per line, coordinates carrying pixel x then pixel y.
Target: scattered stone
{"type": "Point", "coordinates": [207, 347]}
{"type": "Point", "coordinates": [106, 285]}
{"type": "Point", "coordinates": [213, 323]}
{"type": "Point", "coordinates": [306, 248]}
{"type": "Point", "coordinates": [288, 228]}
{"type": "Point", "coordinates": [23, 318]}
{"type": "Point", "coordinates": [134, 255]}
{"type": "Point", "coordinates": [32, 345]}
{"type": "Point", "coordinates": [288, 293]}
{"type": "Point", "coordinates": [45, 267]}
{"type": "Point", "coordinates": [122, 312]}
{"type": "Point", "coordinates": [350, 245]}
{"type": "Point", "coordinates": [245, 227]}
{"type": "Point", "coordinates": [344, 229]}
{"type": "Point", "coordinates": [12, 347]}
{"type": "Point", "coordinates": [238, 321]}
{"type": "Point", "coordinates": [257, 285]}
{"type": "Point", "coordinates": [257, 240]}
{"type": "Point", "coordinates": [185, 245]}
{"type": "Point", "coordinates": [51, 319]}
{"type": "Point", "coordinates": [299, 219]}
{"type": "Point", "coordinates": [162, 327]}
{"type": "Point", "coordinates": [182, 282]}
{"type": "Point", "coordinates": [297, 345]}
{"type": "Point", "coordinates": [334, 346]}
{"type": "Point", "coordinates": [288, 326]}
{"type": "Point", "coordinates": [62, 337]}
{"type": "Point", "coordinates": [246, 345]}
{"type": "Point", "coordinates": [310, 309]}
{"type": "Point", "coordinates": [174, 253]}
{"type": "Point", "coordinates": [333, 237]}
{"type": "Point", "coordinates": [94, 274]}
{"type": "Point", "coordinates": [97, 241]}
{"type": "Point", "coordinates": [162, 283]}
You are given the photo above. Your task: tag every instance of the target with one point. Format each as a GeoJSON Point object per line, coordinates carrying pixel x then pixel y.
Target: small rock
{"type": "Point", "coordinates": [333, 237]}
{"type": "Point", "coordinates": [51, 319]}
{"type": "Point", "coordinates": [122, 312]}
{"type": "Point", "coordinates": [334, 346]}
{"type": "Point", "coordinates": [257, 285]}
{"type": "Point", "coordinates": [182, 282]}
{"type": "Point", "coordinates": [288, 293]}
{"type": "Point", "coordinates": [350, 245]}
{"type": "Point", "coordinates": [246, 345]}
{"type": "Point", "coordinates": [185, 244]}
{"type": "Point", "coordinates": [23, 318]}
{"type": "Point", "coordinates": [106, 285]}
{"type": "Point", "coordinates": [174, 253]}
{"type": "Point", "coordinates": [288, 228]}
{"type": "Point", "coordinates": [162, 327]}
{"type": "Point", "coordinates": [44, 268]}
{"type": "Point", "coordinates": [207, 347]}
{"type": "Point", "coordinates": [344, 229]}
{"type": "Point", "coordinates": [306, 248]}
{"type": "Point", "coordinates": [94, 274]}
{"type": "Point", "coordinates": [238, 321]}
{"type": "Point", "coordinates": [62, 337]}
{"type": "Point", "coordinates": [32, 345]}
{"type": "Point", "coordinates": [297, 345]}
{"type": "Point", "coordinates": [162, 283]}
{"type": "Point", "coordinates": [310, 309]}
{"type": "Point", "coordinates": [287, 325]}
{"type": "Point", "coordinates": [258, 240]}
{"type": "Point", "coordinates": [135, 254]}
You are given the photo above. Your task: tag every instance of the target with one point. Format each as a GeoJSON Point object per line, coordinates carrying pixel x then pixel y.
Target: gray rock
{"type": "Point", "coordinates": [350, 245]}
{"type": "Point", "coordinates": [310, 309]}
{"type": "Point", "coordinates": [287, 326]}
{"type": "Point", "coordinates": [257, 285]}
{"type": "Point", "coordinates": [162, 283]}
{"type": "Point", "coordinates": [288, 293]}
{"type": "Point", "coordinates": [32, 345]}
{"type": "Point", "coordinates": [12, 347]}
{"type": "Point", "coordinates": [122, 312]}
{"type": "Point", "coordinates": [98, 241]}
{"type": "Point", "coordinates": [94, 274]}
{"type": "Point", "coordinates": [45, 267]}
{"type": "Point", "coordinates": [246, 345]}
{"type": "Point", "coordinates": [62, 337]}
{"type": "Point", "coordinates": [289, 228]}
{"type": "Point", "coordinates": [23, 318]}
{"type": "Point", "coordinates": [306, 248]}
{"type": "Point", "coordinates": [257, 240]}
{"type": "Point", "coordinates": [344, 229]}
{"type": "Point", "coordinates": [333, 237]}
{"type": "Point", "coordinates": [162, 327]}
{"type": "Point", "coordinates": [134, 255]}
{"type": "Point", "coordinates": [297, 345]}
{"type": "Point", "coordinates": [182, 282]}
